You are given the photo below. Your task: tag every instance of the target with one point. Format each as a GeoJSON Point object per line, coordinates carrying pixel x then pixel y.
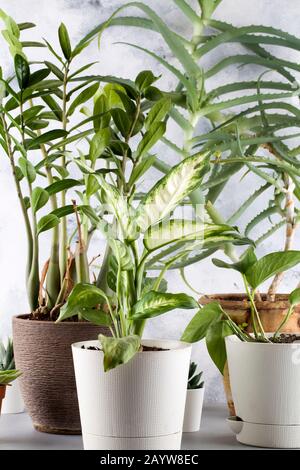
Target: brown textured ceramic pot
{"type": "Point", "coordinates": [2, 395]}
{"type": "Point", "coordinates": [271, 315]}
{"type": "Point", "coordinates": [43, 354]}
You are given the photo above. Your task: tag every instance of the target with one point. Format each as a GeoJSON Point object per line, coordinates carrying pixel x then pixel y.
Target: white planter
{"type": "Point", "coordinates": [139, 405]}
{"type": "Point", "coordinates": [13, 402]}
{"type": "Point", "coordinates": [193, 410]}
{"type": "Point", "coordinates": [265, 383]}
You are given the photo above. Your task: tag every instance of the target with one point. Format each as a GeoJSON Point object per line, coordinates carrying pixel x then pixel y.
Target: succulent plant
{"type": "Point", "coordinates": [8, 373]}
{"type": "Point", "coordinates": [194, 381]}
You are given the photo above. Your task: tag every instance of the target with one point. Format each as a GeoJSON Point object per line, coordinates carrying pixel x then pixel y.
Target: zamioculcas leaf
{"type": "Point", "coordinates": [152, 136]}
{"type": "Point", "coordinates": [270, 265]}
{"type": "Point", "coordinates": [64, 41]}
{"type": "Point", "coordinates": [47, 222]}
{"type": "Point", "coordinates": [155, 303]}
{"type": "Point", "coordinates": [201, 322]}
{"type": "Point", "coordinates": [47, 137]}
{"type": "Point", "coordinates": [171, 190]}
{"type": "Point", "coordinates": [118, 351]}
{"type": "Point", "coordinates": [83, 297]}
{"type": "Point", "coordinates": [215, 342]}
{"type": "Point", "coordinates": [158, 112]}
{"type": "Point", "coordinates": [27, 169]}
{"type": "Point", "coordinates": [83, 97]}
{"type": "Point", "coordinates": [22, 71]}
{"type": "Point", "coordinates": [99, 143]}
{"type": "Point", "coordinates": [294, 297]}
{"type": "Point", "coordinates": [62, 185]}
{"type": "Point", "coordinates": [39, 198]}
{"type": "Point", "coordinates": [144, 80]}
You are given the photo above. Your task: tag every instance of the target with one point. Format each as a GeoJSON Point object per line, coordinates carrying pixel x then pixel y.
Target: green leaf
{"type": "Point", "coordinates": [39, 199]}
{"type": "Point", "coordinates": [151, 137]}
{"type": "Point", "coordinates": [47, 222]}
{"type": "Point", "coordinates": [27, 169]}
{"type": "Point", "coordinates": [99, 143]}
{"type": "Point", "coordinates": [141, 168]}
{"type": "Point", "coordinates": [38, 76]}
{"type": "Point", "coordinates": [121, 120]}
{"type": "Point", "coordinates": [101, 106]}
{"type": "Point", "coordinates": [294, 297]}
{"type": "Point", "coordinates": [83, 97]}
{"type": "Point", "coordinates": [183, 179]}
{"type": "Point", "coordinates": [54, 69]}
{"type": "Point", "coordinates": [46, 138]}
{"type": "Point", "coordinates": [155, 303]}
{"type": "Point", "coordinates": [242, 266]}
{"type": "Point", "coordinates": [83, 297]}
{"type": "Point", "coordinates": [64, 41]}
{"type": "Point", "coordinates": [22, 71]}
{"type": "Point", "coordinates": [158, 112]}
{"type": "Point", "coordinates": [92, 185]}
{"type": "Point", "coordinates": [118, 351]}
{"type": "Point", "coordinates": [201, 322]}
{"type": "Point", "coordinates": [270, 265]}
{"type": "Point", "coordinates": [62, 185]}
{"type": "Point", "coordinates": [97, 317]}
{"type": "Point", "coordinates": [8, 376]}
{"type": "Point", "coordinates": [215, 342]}
{"type": "Point", "coordinates": [144, 80]}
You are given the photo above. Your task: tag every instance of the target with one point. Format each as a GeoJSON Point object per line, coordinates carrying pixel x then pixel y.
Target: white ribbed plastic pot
{"type": "Point", "coordinates": [265, 383]}
{"type": "Point", "coordinates": [139, 405]}
{"type": "Point", "coordinates": [13, 402]}
{"type": "Point", "coordinates": [193, 410]}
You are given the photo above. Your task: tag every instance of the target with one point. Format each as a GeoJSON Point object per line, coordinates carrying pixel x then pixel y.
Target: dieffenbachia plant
{"type": "Point", "coordinates": [214, 323]}
{"type": "Point", "coordinates": [136, 296]}
{"type": "Point", "coordinates": [8, 372]}
{"type": "Point", "coordinates": [236, 136]}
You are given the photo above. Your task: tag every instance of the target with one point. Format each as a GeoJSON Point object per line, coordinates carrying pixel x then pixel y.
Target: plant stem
{"type": "Point", "coordinates": [284, 321]}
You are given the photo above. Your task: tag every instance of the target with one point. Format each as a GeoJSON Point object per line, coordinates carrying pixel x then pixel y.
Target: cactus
{"type": "Point", "coordinates": [194, 380]}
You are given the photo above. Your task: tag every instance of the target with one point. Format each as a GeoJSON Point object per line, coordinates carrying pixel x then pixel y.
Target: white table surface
{"type": "Point", "coordinates": [17, 433]}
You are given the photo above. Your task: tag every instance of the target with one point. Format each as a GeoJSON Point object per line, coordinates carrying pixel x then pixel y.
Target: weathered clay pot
{"type": "Point", "coordinates": [271, 315]}
{"type": "Point", "coordinates": [2, 395]}
{"type": "Point", "coordinates": [43, 355]}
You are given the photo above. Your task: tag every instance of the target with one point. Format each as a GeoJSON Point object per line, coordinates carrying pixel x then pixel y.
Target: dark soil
{"type": "Point", "coordinates": [152, 348]}
{"type": "Point", "coordinates": [91, 348]}
{"type": "Point", "coordinates": [286, 339]}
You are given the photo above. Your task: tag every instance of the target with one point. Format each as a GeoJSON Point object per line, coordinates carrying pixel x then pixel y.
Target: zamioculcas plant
{"type": "Point", "coordinates": [136, 296]}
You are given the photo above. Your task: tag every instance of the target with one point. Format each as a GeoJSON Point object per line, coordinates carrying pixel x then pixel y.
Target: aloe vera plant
{"type": "Point", "coordinates": [238, 137]}
{"type": "Point", "coordinates": [8, 373]}
{"type": "Point", "coordinates": [214, 323]}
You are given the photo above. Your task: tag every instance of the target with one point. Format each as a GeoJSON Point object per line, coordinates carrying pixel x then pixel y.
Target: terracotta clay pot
{"type": "Point", "coordinates": [2, 395]}
{"type": "Point", "coordinates": [43, 354]}
{"type": "Point", "coordinates": [271, 315]}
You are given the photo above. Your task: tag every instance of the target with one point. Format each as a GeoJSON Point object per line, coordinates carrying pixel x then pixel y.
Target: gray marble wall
{"type": "Point", "coordinates": [80, 16]}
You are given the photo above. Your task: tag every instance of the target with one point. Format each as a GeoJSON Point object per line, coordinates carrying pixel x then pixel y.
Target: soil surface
{"type": "Point", "coordinates": [144, 348]}
{"type": "Point", "coordinates": [286, 339]}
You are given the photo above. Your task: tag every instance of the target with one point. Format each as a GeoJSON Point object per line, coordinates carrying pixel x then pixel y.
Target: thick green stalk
{"type": "Point", "coordinates": [284, 321]}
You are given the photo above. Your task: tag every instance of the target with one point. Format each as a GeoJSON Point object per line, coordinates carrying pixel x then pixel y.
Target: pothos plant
{"type": "Point", "coordinates": [214, 323]}
{"type": "Point", "coordinates": [241, 138]}
{"type": "Point", "coordinates": [137, 297]}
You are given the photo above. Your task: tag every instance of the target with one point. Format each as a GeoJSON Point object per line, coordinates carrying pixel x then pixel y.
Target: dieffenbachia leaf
{"type": "Point", "coordinates": [164, 197]}
{"type": "Point", "coordinates": [155, 303]}
{"type": "Point", "coordinates": [81, 301]}
{"type": "Point", "coordinates": [118, 351]}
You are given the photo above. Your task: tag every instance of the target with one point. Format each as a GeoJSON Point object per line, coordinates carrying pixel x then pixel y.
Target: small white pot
{"type": "Point", "coordinates": [265, 383]}
{"type": "Point", "coordinates": [13, 402]}
{"type": "Point", "coordinates": [139, 405]}
{"type": "Point", "coordinates": [193, 410]}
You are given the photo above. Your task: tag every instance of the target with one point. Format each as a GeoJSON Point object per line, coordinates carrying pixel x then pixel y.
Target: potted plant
{"type": "Point", "coordinates": [8, 373]}
{"type": "Point", "coordinates": [141, 404]}
{"type": "Point", "coordinates": [13, 402]}
{"type": "Point", "coordinates": [194, 400]}
{"type": "Point", "coordinates": [263, 367]}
